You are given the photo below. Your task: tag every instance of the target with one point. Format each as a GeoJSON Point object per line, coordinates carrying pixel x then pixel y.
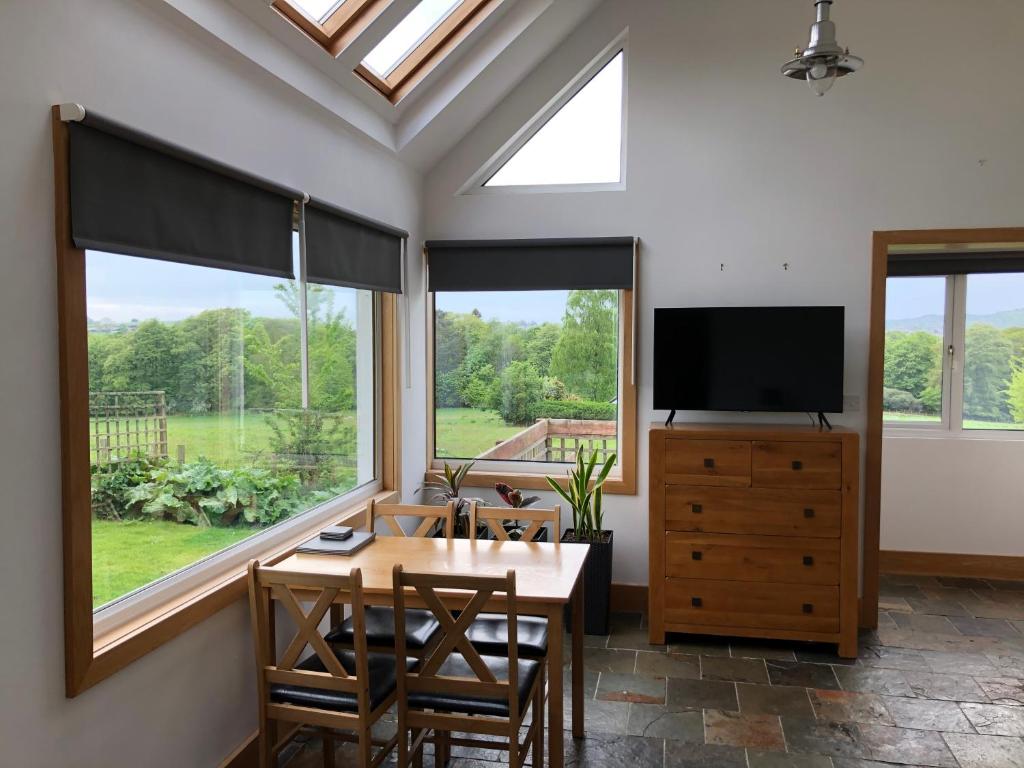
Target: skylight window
{"type": "Point", "coordinates": [407, 35]}
{"type": "Point", "coordinates": [319, 10]}
{"type": "Point", "coordinates": [581, 143]}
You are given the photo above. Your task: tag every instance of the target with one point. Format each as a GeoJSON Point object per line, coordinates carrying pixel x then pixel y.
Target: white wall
{"type": "Point", "coordinates": [193, 700]}
{"type": "Point", "coordinates": [729, 163]}
{"type": "Point", "coordinates": [947, 495]}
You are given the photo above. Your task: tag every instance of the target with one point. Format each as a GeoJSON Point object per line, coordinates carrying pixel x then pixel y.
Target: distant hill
{"type": "Point", "coordinates": [1010, 318]}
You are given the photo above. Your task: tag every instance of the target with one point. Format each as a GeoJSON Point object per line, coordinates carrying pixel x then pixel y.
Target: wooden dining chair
{"type": "Point", "coordinates": [456, 689]}
{"type": "Point", "coordinates": [328, 691]}
{"type": "Point", "coordinates": [489, 633]}
{"type": "Point", "coordinates": [421, 626]}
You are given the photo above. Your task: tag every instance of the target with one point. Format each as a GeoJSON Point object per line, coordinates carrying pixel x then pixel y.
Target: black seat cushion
{"type": "Point", "coordinates": [420, 625]}
{"type": "Point", "coordinates": [456, 666]}
{"type": "Point", "coordinates": [489, 634]}
{"type": "Point", "coordinates": [381, 672]}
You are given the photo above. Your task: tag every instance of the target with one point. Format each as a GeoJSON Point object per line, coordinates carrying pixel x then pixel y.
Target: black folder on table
{"type": "Point", "coordinates": [349, 546]}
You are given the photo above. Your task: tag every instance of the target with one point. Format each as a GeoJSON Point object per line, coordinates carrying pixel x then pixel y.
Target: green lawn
{"type": "Point", "coordinates": [128, 555]}
{"type": "Point", "coordinates": [462, 433]}
{"type": "Point", "coordinates": [968, 423]}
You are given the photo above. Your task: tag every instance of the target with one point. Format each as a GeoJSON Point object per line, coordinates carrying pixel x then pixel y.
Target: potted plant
{"type": "Point", "coordinates": [515, 499]}
{"type": "Point", "coordinates": [584, 495]}
{"type": "Point", "coordinates": [448, 488]}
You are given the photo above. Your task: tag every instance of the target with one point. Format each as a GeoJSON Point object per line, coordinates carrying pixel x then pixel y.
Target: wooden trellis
{"type": "Point", "coordinates": [126, 425]}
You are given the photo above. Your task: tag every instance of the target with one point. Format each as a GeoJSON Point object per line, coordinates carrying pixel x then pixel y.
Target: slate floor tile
{"type": "Point", "coordinates": [963, 583]}
{"type": "Point", "coordinates": [702, 694]}
{"type": "Point", "coordinates": [994, 609]}
{"type": "Point", "coordinates": [847, 707]}
{"type": "Point", "coordinates": [738, 670]}
{"type": "Point", "coordinates": [870, 680]}
{"type": "Point", "coordinates": [821, 654]}
{"type": "Point", "coordinates": [926, 641]}
{"type": "Point", "coordinates": [607, 660]}
{"type": "Point", "coordinates": [902, 745]}
{"type": "Point", "coordinates": [995, 720]}
{"type": "Point", "coordinates": [984, 627]}
{"type": "Point", "coordinates": [603, 717]}
{"type": "Point", "coordinates": [927, 715]}
{"type": "Point", "coordinates": [668, 665]}
{"type": "Point", "coordinates": [1005, 585]}
{"type": "Point", "coordinates": [743, 730]}
{"type": "Point", "coordinates": [892, 658]}
{"type": "Point", "coordinates": [1002, 690]}
{"type": "Point", "coordinates": [885, 620]}
{"type": "Point", "coordinates": [762, 649]}
{"type": "Point", "coordinates": [758, 759]}
{"type": "Point", "coordinates": [698, 645]}
{"type": "Point", "coordinates": [802, 674]}
{"type": "Point", "coordinates": [937, 607]}
{"type": "Point", "coordinates": [1008, 665]}
{"type": "Point", "coordinates": [635, 639]}
{"type": "Point", "coordinates": [604, 751]}
{"type": "Point", "coordinates": [894, 604]}
{"type": "Point", "coordinates": [978, 751]}
{"type": "Point", "coordinates": [960, 663]}
{"type": "Point", "coordinates": [929, 685]}
{"type": "Point", "coordinates": [823, 737]}
{"type": "Point", "coordinates": [923, 622]}
{"type": "Point", "coordinates": [774, 700]}
{"type": "Point", "coordinates": [589, 681]}
{"type": "Point", "coordinates": [621, 686]}
{"type": "Point", "coordinates": [899, 590]}
{"type": "Point", "coordinates": [666, 722]}
{"type": "Point", "coordinates": [683, 755]}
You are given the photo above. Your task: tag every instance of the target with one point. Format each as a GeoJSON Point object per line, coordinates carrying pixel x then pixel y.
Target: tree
{"type": "Point", "coordinates": [586, 355]}
{"type": "Point", "coordinates": [520, 392]}
{"type": "Point", "coordinates": [913, 362]}
{"type": "Point", "coordinates": [539, 343]}
{"type": "Point", "coordinates": [1015, 391]}
{"type": "Point", "coordinates": [987, 354]}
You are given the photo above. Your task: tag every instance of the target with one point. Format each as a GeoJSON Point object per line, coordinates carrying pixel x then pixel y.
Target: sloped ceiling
{"type": "Point", "coordinates": [425, 126]}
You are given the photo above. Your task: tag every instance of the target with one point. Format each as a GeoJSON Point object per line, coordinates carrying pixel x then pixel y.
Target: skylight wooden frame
{"type": "Point", "coordinates": [90, 658]}
{"type": "Point", "coordinates": [335, 33]}
{"type": "Point", "coordinates": [431, 51]}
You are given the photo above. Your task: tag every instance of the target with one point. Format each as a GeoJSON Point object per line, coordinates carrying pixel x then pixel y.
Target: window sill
{"type": "Point", "coordinates": [619, 485]}
{"type": "Point", "coordinates": [118, 648]}
{"type": "Point", "coordinates": [989, 435]}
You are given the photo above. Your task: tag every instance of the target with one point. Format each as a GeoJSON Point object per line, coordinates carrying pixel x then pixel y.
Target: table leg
{"type": "Point", "coordinates": [556, 749]}
{"type": "Point", "coordinates": [577, 660]}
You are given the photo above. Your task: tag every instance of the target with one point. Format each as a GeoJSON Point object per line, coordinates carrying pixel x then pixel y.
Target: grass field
{"type": "Point", "coordinates": [462, 433]}
{"type": "Point", "coordinates": [128, 555]}
{"type": "Point", "coordinates": [915, 418]}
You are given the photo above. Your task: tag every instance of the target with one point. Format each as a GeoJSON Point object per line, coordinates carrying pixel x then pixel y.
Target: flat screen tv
{"type": "Point", "coordinates": [780, 359]}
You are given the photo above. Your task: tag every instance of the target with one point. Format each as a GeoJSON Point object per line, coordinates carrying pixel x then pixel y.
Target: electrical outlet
{"type": "Point", "coordinates": [851, 403]}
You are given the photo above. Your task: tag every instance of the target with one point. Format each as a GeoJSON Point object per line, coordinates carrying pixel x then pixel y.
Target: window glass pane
{"type": "Point", "coordinates": [318, 9]}
{"type": "Point", "coordinates": [580, 144]}
{"type": "Point", "coordinates": [408, 34]}
{"type": "Point", "coordinates": [994, 352]}
{"type": "Point", "coordinates": [915, 310]}
{"type": "Point", "coordinates": [198, 438]}
{"type": "Point", "coordinates": [526, 375]}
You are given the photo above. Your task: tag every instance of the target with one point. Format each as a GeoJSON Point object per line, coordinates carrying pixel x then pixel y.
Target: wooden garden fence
{"type": "Point", "coordinates": [127, 425]}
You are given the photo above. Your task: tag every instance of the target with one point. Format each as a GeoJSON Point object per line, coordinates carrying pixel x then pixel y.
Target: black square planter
{"type": "Point", "coordinates": [597, 583]}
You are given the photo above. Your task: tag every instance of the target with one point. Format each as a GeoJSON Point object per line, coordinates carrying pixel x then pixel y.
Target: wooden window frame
{"type": "Point", "coordinates": [432, 50]}
{"type": "Point", "coordinates": [881, 241]}
{"type": "Point", "coordinates": [89, 659]}
{"type": "Point", "coordinates": [622, 482]}
{"type": "Point", "coordinates": [338, 30]}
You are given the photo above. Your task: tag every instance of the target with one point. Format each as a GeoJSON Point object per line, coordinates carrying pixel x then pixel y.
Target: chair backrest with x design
{"type": "Point", "coordinates": [479, 590]}
{"type": "Point", "coordinates": [428, 516]}
{"type": "Point", "coordinates": [267, 586]}
{"type": "Point", "coordinates": [496, 516]}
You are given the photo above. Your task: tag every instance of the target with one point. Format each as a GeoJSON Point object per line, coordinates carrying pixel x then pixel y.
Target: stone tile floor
{"type": "Point", "coordinates": [940, 684]}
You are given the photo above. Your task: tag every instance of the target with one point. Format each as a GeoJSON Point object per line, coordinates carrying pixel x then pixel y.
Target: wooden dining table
{"type": "Point", "coordinates": [548, 577]}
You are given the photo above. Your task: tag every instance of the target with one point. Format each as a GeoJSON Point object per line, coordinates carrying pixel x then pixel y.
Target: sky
{"type": "Point", "coordinates": [910, 297]}
{"type": "Point", "coordinates": [508, 306]}
{"type": "Point", "coordinates": [407, 34]}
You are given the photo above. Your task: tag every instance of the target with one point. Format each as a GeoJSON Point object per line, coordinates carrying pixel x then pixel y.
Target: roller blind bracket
{"type": "Point", "coordinates": [72, 113]}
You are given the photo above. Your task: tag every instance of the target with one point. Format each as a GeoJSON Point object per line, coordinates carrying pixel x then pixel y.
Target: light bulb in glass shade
{"type": "Point", "coordinates": [821, 77]}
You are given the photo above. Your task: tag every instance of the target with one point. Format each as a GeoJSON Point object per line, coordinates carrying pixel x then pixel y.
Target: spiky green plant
{"type": "Point", "coordinates": [584, 494]}
{"type": "Point", "coordinates": [448, 488]}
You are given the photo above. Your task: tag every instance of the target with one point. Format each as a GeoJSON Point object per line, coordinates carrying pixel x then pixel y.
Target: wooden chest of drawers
{"type": "Point", "coordinates": [754, 532]}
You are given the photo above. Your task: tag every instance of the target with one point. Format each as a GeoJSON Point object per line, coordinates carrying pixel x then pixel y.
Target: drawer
{"type": "Point", "coordinates": [797, 465]}
{"type": "Point", "coordinates": [764, 511]}
{"type": "Point", "coordinates": [723, 604]}
{"type": "Point", "coordinates": [707, 462]}
{"type": "Point", "coordinates": [751, 558]}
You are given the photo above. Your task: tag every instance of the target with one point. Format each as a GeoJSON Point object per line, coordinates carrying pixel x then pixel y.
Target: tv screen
{"type": "Point", "coordinates": [749, 359]}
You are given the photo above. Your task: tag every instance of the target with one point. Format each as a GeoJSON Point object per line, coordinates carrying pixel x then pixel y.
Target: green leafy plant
{"type": "Point", "coordinates": [448, 487]}
{"type": "Point", "coordinates": [308, 441]}
{"type": "Point", "coordinates": [515, 499]}
{"type": "Point", "coordinates": [584, 494]}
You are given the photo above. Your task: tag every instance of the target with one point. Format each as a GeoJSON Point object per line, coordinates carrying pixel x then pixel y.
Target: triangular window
{"type": "Point", "coordinates": [580, 142]}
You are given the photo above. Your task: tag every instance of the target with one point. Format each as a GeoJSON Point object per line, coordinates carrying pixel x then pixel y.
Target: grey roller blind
{"type": "Point", "coordinates": [345, 249]}
{"type": "Point", "coordinates": [531, 265]}
{"type": "Point", "coordinates": [133, 194]}
{"type": "Point", "coordinates": [954, 263]}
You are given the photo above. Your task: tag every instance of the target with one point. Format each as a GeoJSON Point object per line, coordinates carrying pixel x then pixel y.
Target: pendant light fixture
{"type": "Point", "coordinates": [823, 60]}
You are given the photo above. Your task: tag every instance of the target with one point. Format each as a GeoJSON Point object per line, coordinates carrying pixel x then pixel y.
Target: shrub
{"type": "Point", "coordinates": [308, 441]}
{"type": "Point", "coordinates": [576, 409]}
{"type": "Point", "coordinates": [899, 401]}
{"type": "Point", "coordinates": [520, 392]}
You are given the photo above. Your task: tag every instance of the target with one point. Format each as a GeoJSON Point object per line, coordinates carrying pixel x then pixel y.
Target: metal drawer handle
{"type": "Point", "coordinates": [709, 463]}
{"type": "Point", "coordinates": [798, 465]}
{"type": "Point", "coordinates": [696, 555]}
{"type": "Point", "coordinates": [696, 602]}
{"type": "Point", "coordinates": [808, 560]}
{"type": "Point", "coordinates": [808, 512]}
{"type": "Point", "coordinates": [808, 608]}
{"type": "Point", "coordinates": [697, 508]}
